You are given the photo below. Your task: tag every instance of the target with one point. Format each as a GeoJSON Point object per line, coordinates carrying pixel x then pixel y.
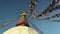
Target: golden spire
{"type": "Point", "coordinates": [22, 21]}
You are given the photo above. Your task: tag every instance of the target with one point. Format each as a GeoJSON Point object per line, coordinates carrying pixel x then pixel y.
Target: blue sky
{"type": "Point", "coordinates": [9, 9]}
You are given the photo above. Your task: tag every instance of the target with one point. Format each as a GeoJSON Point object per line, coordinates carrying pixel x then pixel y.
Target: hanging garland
{"type": "Point", "coordinates": [56, 15]}
{"type": "Point", "coordinates": [32, 6]}
{"type": "Point", "coordinates": [55, 20]}
{"type": "Point", "coordinates": [9, 22]}
{"type": "Point", "coordinates": [49, 9]}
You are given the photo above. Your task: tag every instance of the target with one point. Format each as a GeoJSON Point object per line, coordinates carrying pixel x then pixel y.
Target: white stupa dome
{"type": "Point", "coordinates": [20, 30]}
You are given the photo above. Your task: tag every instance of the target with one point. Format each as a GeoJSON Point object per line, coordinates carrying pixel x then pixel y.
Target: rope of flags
{"type": "Point", "coordinates": [9, 22]}
{"type": "Point", "coordinates": [55, 20]}
{"type": "Point", "coordinates": [50, 8]}
{"type": "Point", "coordinates": [56, 15]}
{"type": "Point", "coordinates": [32, 6]}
